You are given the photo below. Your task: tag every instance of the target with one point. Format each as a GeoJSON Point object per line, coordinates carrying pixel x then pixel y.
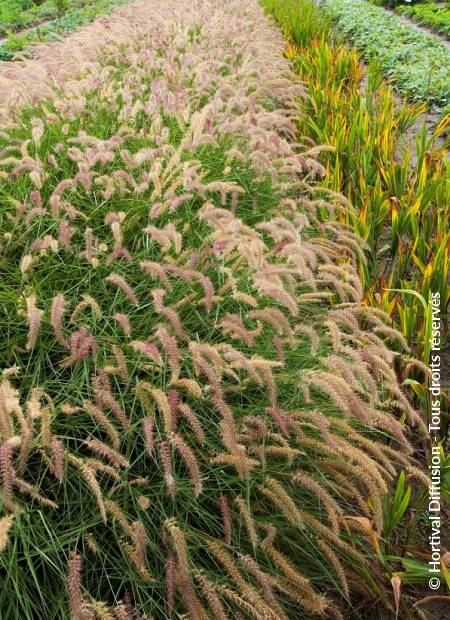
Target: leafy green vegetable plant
{"type": "Point", "coordinates": [435, 16]}
{"type": "Point", "coordinates": [417, 64]}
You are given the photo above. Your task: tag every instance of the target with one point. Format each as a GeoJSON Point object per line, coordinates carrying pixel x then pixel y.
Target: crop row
{"type": "Point", "coordinates": [188, 418]}
{"type": "Point", "coordinates": [401, 202]}
{"type": "Point", "coordinates": [78, 14]}
{"type": "Point", "coordinates": [401, 195]}
{"type": "Point", "coordinates": [418, 65]}
{"type": "Point", "coordinates": [435, 16]}
{"type": "Point", "coordinates": [18, 14]}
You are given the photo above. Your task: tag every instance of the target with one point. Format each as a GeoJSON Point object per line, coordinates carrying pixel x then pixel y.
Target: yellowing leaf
{"type": "Point", "coordinates": [366, 526]}
{"type": "Point", "coordinates": [396, 583]}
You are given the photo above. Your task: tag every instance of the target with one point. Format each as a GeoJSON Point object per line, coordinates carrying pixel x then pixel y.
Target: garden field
{"type": "Point", "coordinates": [435, 16]}
{"type": "Point", "coordinates": [26, 22]}
{"type": "Point", "coordinates": [224, 291]}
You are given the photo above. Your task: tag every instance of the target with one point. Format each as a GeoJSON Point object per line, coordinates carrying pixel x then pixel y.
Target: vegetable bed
{"type": "Point", "coordinates": [435, 16]}
{"type": "Point", "coordinates": [75, 15]}
{"type": "Point", "coordinates": [18, 14]}
{"type": "Point", "coordinates": [418, 64]}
